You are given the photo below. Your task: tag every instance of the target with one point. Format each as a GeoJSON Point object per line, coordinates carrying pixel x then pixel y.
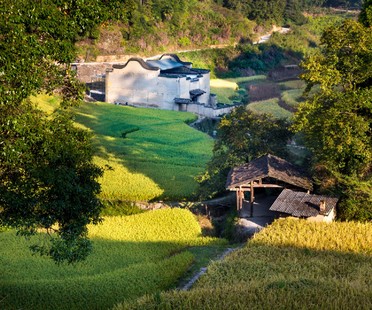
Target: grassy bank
{"type": "Point", "coordinates": [292, 264]}
{"type": "Point", "coordinates": [132, 255]}
{"type": "Point", "coordinates": [147, 153]}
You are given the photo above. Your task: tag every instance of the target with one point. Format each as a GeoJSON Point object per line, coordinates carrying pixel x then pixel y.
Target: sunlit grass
{"type": "Point", "coordinates": [147, 153]}
{"type": "Point", "coordinates": [292, 97]}
{"type": "Point", "coordinates": [269, 106]}
{"type": "Point", "coordinates": [292, 264]}
{"type": "Point", "coordinates": [156, 146]}
{"type": "Point", "coordinates": [233, 89]}
{"type": "Point", "coordinates": [132, 255]}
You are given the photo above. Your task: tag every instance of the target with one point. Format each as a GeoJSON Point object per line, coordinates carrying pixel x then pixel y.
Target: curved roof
{"type": "Point", "coordinates": [143, 63]}
{"type": "Point", "coordinates": [165, 64]}
{"type": "Point", "coordinates": [176, 58]}
{"type": "Point", "coordinates": [268, 166]}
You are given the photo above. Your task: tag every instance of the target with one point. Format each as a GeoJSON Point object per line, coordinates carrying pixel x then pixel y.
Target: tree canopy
{"type": "Point", "coordinates": [337, 120]}
{"type": "Point", "coordinates": [47, 178]}
{"type": "Point", "coordinates": [242, 136]}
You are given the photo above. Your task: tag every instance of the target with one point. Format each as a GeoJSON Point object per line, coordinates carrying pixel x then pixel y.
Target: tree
{"type": "Point", "coordinates": [337, 120]}
{"type": "Point", "coordinates": [267, 11]}
{"type": "Point", "coordinates": [242, 136]}
{"type": "Point", "coordinates": [365, 16]}
{"type": "Point", "coordinates": [47, 178]}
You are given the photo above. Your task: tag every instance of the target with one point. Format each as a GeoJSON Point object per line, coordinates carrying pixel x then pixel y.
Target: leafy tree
{"type": "Point", "coordinates": [293, 12]}
{"type": "Point", "coordinates": [365, 16]}
{"type": "Point", "coordinates": [337, 120]}
{"type": "Point", "coordinates": [243, 136]}
{"type": "Point", "coordinates": [267, 11]}
{"type": "Point", "coordinates": [47, 178]}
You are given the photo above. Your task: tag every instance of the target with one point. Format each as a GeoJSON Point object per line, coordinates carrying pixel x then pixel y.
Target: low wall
{"type": "Point", "coordinates": [208, 111]}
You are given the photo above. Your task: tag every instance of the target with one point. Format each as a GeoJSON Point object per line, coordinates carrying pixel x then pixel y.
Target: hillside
{"type": "Point", "coordinates": [132, 255]}
{"type": "Point", "coordinates": [159, 26]}
{"type": "Point", "coordinates": [292, 264]}
{"type": "Point", "coordinates": [146, 28]}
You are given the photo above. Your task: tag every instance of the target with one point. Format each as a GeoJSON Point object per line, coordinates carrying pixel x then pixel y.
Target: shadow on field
{"type": "Point", "coordinates": [148, 142]}
{"type": "Point", "coordinates": [114, 272]}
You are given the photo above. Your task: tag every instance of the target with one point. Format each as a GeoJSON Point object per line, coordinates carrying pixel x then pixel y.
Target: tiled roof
{"type": "Point", "coordinates": [301, 204]}
{"type": "Point", "coordinates": [182, 100]}
{"type": "Point", "coordinates": [196, 92]}
{"type": "Point", "coordinates": [176, 58]}
{"type": "Point", "coordinates": [144, 64]}
{"type": "Point", "coordinates": [165, 64]}
{"type": "Point", "coordinates": [267, 166]}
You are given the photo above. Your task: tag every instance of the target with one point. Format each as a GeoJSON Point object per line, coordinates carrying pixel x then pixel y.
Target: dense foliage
{"type": "Point", "coordinates": [132, 255]}
{"type": "Point", "coordinates": [149, 27]}
{"type": "Point", "coordinates": [291, 264]}
{"type": "Point", "coordinates": [337, 120]}
{"type": "Point", "coordinates": [243, 136]}
{"type": "Point", "coordinates": [47, 177]}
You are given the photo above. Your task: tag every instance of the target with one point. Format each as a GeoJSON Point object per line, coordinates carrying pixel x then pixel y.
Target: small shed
{"type": "Point", "coordinates": [305, 205]}
{"type": "Point", "coordinates": [267, 171]}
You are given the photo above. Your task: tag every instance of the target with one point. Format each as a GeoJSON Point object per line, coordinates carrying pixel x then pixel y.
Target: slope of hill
{"type": "Point", "coordinates": [293, 264]}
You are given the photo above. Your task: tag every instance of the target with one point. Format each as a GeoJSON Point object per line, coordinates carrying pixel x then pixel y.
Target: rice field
{"type": "Point", "coordinates": [233, 90]}
{"type": "Point", "coordinates": [147, 154]}
{"type": "Point", "coordinates": [292, 264]}
{"type": "Point", "coordinates": [132, 256]}
{"type": "Point", "coordinates": [150, 153]}
{"type": "Point", "coordinates": [270, 106]}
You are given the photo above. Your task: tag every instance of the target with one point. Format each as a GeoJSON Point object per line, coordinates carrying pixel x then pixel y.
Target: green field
{"type": "Point", "coordinates": [132, 255]}
{"type": "Point", "coordinates": [233, 89]}
{"type": "Point", "coordinates": [292, 264]}
{"type": "Point", "coordinates": [153, 153]}
{"type": "Point", "coordinates": [270, 106]}
{"type": "Point", "coordinates": [147, 153]}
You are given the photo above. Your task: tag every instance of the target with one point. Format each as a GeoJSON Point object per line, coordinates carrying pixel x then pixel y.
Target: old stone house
{"type": "Point", "coordinates": [164, 83]}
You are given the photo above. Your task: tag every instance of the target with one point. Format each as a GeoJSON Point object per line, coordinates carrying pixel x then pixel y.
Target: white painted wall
{"type": "Point", "coordinates": [133, 84]}
{"type": "Point", "coordinates": [137, 85]}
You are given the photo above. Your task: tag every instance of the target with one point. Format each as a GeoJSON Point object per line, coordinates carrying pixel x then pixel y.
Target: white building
{"type": "Point", "coordinates": [166, 83]}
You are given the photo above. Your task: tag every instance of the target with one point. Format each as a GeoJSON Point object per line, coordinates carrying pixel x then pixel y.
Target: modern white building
{"type": "Point", "coordinates": [165, 83]}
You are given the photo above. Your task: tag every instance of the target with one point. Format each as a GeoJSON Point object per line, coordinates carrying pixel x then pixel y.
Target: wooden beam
{"type": "Point", "coordinates": [252, 198]}
{"type": "Point", "coordinates": [248, 187]}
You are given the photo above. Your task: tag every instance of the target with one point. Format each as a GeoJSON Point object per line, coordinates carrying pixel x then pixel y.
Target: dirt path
{"type": "Point", "coordinates": [203, 270]}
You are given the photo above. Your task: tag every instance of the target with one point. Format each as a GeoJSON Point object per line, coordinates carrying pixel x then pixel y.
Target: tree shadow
{"type": "Point", "coordinates": [145, 143]}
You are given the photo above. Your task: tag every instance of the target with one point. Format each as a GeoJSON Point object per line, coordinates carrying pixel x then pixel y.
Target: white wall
{"type": "Point", "coordinates": [133, 84]}
{"type": "Point", "coordinates": [137, 85]}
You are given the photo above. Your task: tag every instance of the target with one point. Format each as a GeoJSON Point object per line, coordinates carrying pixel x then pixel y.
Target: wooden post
{"type": "Point", "coordinates": [237, 200]}
{"type": "Point", "coordinates": [252, 198]}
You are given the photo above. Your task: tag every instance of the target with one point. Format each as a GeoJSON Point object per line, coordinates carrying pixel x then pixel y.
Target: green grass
{"type": "Point", "coordinates": [269, 106]}
{"type": "Point", "coordinates": [292, 97]}
{"type": "Point", "coordinates": [147, 154]}
{"type": "Point", "coordinates": [292, 264]}
{"type": "Point", "coordinates": [133, 255]}
{"type": "Point", "coordinates": [153, 153]}
{"type": "Point", "coordinates": [233, 89]}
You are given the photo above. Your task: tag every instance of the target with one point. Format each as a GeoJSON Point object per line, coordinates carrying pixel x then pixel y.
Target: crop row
{"type": "Point", "coordinates": [292, 264]}
{"type": "Point", "coordinates": [132, 256]}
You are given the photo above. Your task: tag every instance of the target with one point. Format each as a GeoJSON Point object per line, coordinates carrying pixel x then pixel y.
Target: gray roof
{"type": "Point", "coordinates": [196, 92]}
{"type": "Point", "coordinates": [165, 64]}
{"type": "Point", "coordinates": [144, 64]}
{"type": "Point", "coordinates": [301, 204]}
{"type": "Point", "coordinates": [182, 100]}
{"type": "Point", "coordinates": [268, 166]}
{"type": "Point", "coordinates": [176, 58]}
